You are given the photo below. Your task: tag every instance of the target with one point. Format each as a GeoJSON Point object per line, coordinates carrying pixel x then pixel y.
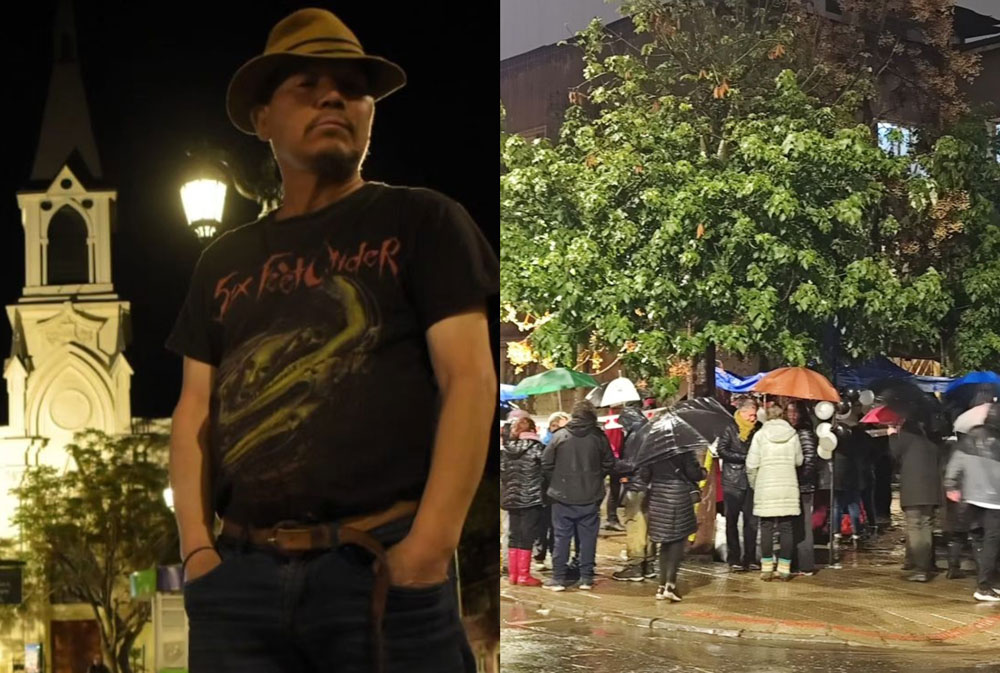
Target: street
{"type": "Point", "coordinates": [860, 617]}
{"type": "Point", "coordinates": [532, 643]}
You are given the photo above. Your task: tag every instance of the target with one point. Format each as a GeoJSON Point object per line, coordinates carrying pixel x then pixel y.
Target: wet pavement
{"type": "Point", "coordinates": [864, 604]}
{"type": "Point", "coordinates": [533, 643]}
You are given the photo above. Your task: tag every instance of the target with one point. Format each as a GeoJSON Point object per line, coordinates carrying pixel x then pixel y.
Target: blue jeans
{"type": "Point", "coordinates": [261, 612]}
{"type": "Point", "coordinates": [852, 501]}
{"type": "Point", "coordinates": [582, 522]}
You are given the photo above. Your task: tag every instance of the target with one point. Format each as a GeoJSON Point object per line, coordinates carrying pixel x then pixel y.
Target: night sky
{"type": "Point", "coordinates": [156, 75]}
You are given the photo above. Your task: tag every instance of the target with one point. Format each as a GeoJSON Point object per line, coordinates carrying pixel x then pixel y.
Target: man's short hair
{"type": "Point", "coordinates": [747, 402]}
{"type": "Point", "coordinates": [584, 409]}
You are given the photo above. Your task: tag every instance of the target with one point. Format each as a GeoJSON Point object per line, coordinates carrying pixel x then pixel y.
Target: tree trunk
{"type": "Point", "coordinates": [124, 663]}
{"type": "Point", "coordinates": [703, 373]}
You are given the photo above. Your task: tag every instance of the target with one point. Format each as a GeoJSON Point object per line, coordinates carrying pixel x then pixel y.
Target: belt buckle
{"type": "Point", "coordinates": [291, 537]}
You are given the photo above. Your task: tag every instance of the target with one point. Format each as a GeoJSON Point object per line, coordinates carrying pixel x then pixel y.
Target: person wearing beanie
{"type": "Point", "coordinates": [574, 464]}
{"type": "Point", "coordinates": [973, 477]}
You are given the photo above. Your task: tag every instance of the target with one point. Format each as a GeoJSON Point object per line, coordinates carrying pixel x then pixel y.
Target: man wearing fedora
{"type": "Point", "coordinates": [299, 332]}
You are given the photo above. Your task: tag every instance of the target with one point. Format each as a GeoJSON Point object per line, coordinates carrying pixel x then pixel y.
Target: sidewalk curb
{"type": "Point", "coordinates": [663, 624]}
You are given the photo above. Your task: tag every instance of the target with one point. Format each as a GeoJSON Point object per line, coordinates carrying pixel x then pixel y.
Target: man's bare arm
{"type": "Point", "coordinates": [189, 457]}
{"type": "Point", "coordinates": [463, 365]}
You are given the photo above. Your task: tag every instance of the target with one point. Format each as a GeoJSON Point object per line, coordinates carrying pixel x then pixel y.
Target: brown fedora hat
{"type": "Point", "coordinates": [306, 35]}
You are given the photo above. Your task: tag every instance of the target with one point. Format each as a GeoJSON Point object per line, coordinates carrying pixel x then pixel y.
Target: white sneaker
{"type": "Point", "coordinates": [553, 586]}
{"type": "Point", "coordinates": [586, 587]}
{"type": "Point", "coordinates": [989, 596]}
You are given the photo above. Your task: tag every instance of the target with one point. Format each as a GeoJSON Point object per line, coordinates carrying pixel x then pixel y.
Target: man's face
{"type": "Point", "coordinates": [749, 413]}
{"type": "Point", "coordinates": [319, 120]}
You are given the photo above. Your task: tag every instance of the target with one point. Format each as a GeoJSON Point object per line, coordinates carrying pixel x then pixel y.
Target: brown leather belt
{"type": "Point", "coordinates": [292, 538]}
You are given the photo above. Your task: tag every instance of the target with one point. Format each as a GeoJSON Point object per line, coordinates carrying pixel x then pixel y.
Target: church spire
{"type": "Point", "coordinates": [66, 135]}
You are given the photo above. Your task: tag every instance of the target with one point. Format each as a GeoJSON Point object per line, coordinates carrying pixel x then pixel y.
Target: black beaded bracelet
{"type": "Point", "coordinates": [188, 558]}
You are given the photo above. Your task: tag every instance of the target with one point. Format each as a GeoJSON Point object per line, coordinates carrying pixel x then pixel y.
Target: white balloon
{"type": "Point", "coordinates": [824, 454]}
{"type": "Point", "coordinates": [867, 398]}
{"type": "Point", "coordinates": [828, 443]}
{"type": "Point", "coordinates": [824, 410]}
{"type": "Point", "coordinates": [824, 429]}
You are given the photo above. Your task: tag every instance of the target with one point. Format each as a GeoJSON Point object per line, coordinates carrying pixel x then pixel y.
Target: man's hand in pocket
{"type": "Point", "coordinates": [417, 563]}
{"type": "Point", "coordinates": [201, 563]}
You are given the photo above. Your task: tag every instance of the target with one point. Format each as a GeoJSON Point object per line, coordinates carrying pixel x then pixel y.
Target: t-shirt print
{"type": "Point", "coordinates": [315, 325]}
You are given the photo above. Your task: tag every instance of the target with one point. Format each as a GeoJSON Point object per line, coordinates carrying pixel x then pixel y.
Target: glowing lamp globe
{"type": "Point", "coordinates": [204, 197]}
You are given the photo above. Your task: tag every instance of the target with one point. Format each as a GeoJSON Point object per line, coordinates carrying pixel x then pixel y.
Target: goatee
{"type": "Point", "coordinates": [336, 166]}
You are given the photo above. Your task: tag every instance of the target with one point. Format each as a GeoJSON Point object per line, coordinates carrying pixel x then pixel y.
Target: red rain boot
{"type": "Point", "coordinates": [513, 566]}
{"type": "Point", "coordinates": [524, 577]}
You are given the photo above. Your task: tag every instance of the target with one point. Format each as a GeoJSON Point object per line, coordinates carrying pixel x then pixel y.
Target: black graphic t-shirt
{"type": "Point", "coordinates": [325, 403]}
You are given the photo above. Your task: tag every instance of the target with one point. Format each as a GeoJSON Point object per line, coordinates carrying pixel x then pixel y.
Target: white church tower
{"type": "Point", "coordinates": [67, 369]}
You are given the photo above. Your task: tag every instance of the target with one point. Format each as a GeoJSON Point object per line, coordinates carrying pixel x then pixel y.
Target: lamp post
{"type": "Point", "coordinates": [206, 182]}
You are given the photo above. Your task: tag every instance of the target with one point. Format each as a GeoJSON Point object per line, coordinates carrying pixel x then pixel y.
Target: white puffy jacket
{"type": "Point", "coordinates": [774, 454]}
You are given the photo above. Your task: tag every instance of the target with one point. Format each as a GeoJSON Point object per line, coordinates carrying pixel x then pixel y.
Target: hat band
{"type": "Point", "coordinates": [323, 39]}
{"type": "Point", "coordinates": [336, 51]}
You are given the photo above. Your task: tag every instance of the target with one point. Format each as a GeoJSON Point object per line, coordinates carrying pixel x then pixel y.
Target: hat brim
{"type": "Point", "coordinates": [244, 93]}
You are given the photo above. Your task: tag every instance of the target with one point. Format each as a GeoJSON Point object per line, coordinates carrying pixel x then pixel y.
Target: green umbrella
{"type": "Point", "coordinates": [554, 380]}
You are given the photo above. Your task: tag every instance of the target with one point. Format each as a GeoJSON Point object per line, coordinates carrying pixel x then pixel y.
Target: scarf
{"type": "Point", "coordinates": [745, 426]}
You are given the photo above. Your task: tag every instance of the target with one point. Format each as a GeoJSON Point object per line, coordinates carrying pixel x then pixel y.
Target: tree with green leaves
{"type": "Point", "coordinates": [85, 530]}
{"type": "Point", "coordinates": [713, 186]}
{"type": "Point", "coordinates": [959, 233]}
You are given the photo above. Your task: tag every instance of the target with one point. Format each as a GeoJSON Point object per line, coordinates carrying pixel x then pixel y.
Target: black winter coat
{"type": "Point", "coordinates": [521, 474]}
{"type": "Point", "coordinates": [671, 513]}
{"type": "Point", "coordinates": [919, 461]}
{"type": "Point", "coordinates": [575, 463]}
{"type": "Point", "coordinates": [808, 469]}
{"type": "Point", "coordinates": [637, 427]}
{"type": "Point", "coordinates": [733, 452]}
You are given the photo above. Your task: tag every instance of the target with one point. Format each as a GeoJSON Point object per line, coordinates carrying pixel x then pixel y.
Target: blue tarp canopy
{"type": "Point", "coordinates": [735, 384]}
{"type": "Point", "coordinates": [989, 378]}
{"type": "Point", "coordinates": [865, 375]}
{"type": "Point", "coordinates": [507, 393]}
{"type": "Point", "coordinates": [858, 377]}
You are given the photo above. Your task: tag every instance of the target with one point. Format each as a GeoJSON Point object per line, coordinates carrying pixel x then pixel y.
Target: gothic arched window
{"type": "Point", "coordinates": [68, 258]}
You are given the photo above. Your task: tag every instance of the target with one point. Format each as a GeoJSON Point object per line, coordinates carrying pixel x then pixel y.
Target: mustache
{"type": "Point", "coordinates": [327, 118]}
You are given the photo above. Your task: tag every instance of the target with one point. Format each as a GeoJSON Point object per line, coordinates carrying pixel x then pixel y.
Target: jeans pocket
{"type": "Point", "coordinates": [224, 554]}
{"type": "Point", "coordinates": [410, 598]}
{"type": "Point", "coordinates": [419, 589]}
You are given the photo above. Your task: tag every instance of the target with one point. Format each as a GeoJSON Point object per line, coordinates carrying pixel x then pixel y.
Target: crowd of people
{"type": "Point", "coordinates": [773, 481]}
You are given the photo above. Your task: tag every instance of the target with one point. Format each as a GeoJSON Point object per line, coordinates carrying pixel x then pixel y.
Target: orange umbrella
{"type": "Point", "coordinates": [798, 382]}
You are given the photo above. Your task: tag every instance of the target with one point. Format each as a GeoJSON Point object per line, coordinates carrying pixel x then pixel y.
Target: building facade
{"type": "Point", "coordinates": [66, 370]}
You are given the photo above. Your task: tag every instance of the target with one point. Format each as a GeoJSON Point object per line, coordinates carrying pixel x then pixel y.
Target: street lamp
{"type": "Point", "coordinates": [203, 192]}
{"type": "Point", "coordinates": [204, 198]}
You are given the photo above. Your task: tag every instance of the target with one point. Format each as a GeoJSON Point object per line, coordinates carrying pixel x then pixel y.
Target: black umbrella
{"type": "Point", "coordinates": [902, 396]}
{"type": "Point", "coordinates": [687, 426]}
{"type": "Point", "coordinates": [596, 395]}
